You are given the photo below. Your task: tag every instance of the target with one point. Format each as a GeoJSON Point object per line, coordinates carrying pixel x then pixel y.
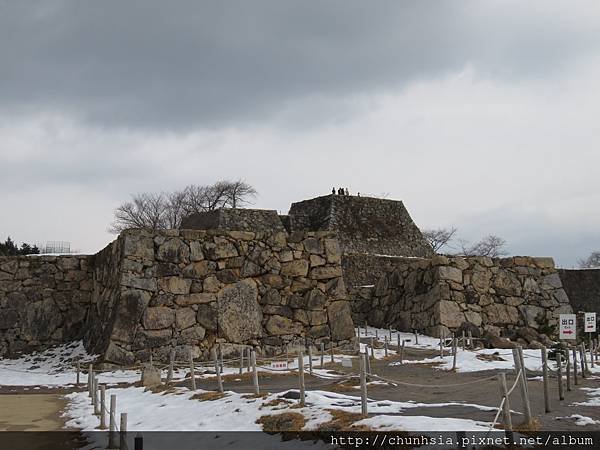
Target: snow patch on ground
{"type": "Point", "coordinates": [580, 420]}
{"type": "Point", "coordinates": [177, 411]}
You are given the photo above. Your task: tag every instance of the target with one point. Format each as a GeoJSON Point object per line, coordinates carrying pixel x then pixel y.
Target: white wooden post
{"type": "Point", "coordinates": [254, 372]}
{"type": "Point", "coordinates": [301, 377]}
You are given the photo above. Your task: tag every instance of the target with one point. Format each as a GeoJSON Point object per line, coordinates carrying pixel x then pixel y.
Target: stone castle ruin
{"type": "Point", "coordinates": [246, 277]}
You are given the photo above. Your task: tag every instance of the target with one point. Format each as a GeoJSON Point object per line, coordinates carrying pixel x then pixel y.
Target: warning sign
{"type": "Point", "coordinates": [279, 365]}
{"type": "Point", "coordinates": [568, 326]}
{"type": "Point", "coordinates": [590, 322]}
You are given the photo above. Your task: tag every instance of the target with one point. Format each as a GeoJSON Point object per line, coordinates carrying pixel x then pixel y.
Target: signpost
{"type": "Point", "coordinates": [590, 322]}
{"type": "Point", "coordinates": [568, 326]}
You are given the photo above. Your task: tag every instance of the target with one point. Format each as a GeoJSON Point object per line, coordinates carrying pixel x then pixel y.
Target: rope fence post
{"type": "Point", "coordinates": [545, 379]}
{"type": "Point", "coordinates": [561, 395]}
{"type": "Point", "coordinates": [112, 428]}
{"type": "Point", "coordinates": [416, 338]}
{"type": "Point", "coordinates": [95, 398]}
{"type": "Point", "coordinates": [192, 371]}
{"type": "Point", "coordinates": [441, 348]}
{"type": "Point", "coordinates": [221, 359]}
{"type": "Point", "coordinates": [331, 349]}
{"type": "Point", "coordinates": [591, 346]}
{"type": "Point", "coordinates": [372, 348]}
{"type": "Point", "coordinates": [363, 385]}
{"type": "Point", "coordinates": [254, 372]}
{"type": "Point", "coordinates": [454, 348]}
{"type": "Point", "coordinates": [398, 341]}
{"type": "Point", "coordinates": [402, 352]}
{"type": "Point", "coordinates": [322, 354]}
{"type": "Point", "coordinates": [390, 329]}
{"type": "Point", "coordinates": [575, 379]}
{"type": "Point", "coordinates": [218, 372]}
{"type": "Point", "coordinates": [248, 362]}
{"type": "Point", "coordinates": [506, 405]}
{"type": "Point", "coordinates": [463, 340]}
{"type": "Point", "coordinates": [367, 362]}
{"type": "Point", "coordinates": [310, 369]}
{"type": "Point", "coordinates": [171, 366]}
{"type": "Point", "coordinates": [470, 341]}
{"type": "Point", "coordinates": [103, 407]}
{"type": "Point", "coordinates": [568, 371]}
{"type": "Point", "coordinates": [78, 372]}
{"type": "Point", "coordinates": [584, 357]}
{"type": "Point", "coordinates": [385, 346]}
{"type": "Point", "coordinates": [377, 333]}
{"type": "Point", "coordinates": [90, 379]}
{"type": "Point", "coordinates": [123, 432]}
{"type": "Point", "coordinates": [301, 377]}
{"type": "Point", "coordinates": [581, 358]}
{"type": "Point", "coordinates": [519, 370]}
{"type": "Point", "coordinates": [524, 370]}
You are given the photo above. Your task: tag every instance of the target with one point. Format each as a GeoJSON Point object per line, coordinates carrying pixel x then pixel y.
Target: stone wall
{"type": "Point", "coordinates": [189, 289]}
{"type": "Point", "coordinates": [443, 294]}
{"type": "Point", "coordinates": [239, 219]}
{"type": "Point", "coordinates": [583, 288]}
{"type": "Point", "coordinates": [44, 301]}
{"type": "Point", "coordinates": [363, 224]}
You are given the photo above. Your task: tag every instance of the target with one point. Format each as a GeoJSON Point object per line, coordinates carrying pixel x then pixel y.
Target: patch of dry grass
{"type": "Point", "coordinates": [284, 422]}
{"type": "Point", "coordinates": [276, 402]}
{"type": "Point", "coordinates": [343, 421]}
{"type": "Point", "coordinates": [208, 396]}
{"type": "Point", "coordinates": [524, 427]}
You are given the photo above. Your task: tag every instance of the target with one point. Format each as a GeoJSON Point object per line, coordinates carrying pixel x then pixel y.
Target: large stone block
{"type": "Point", "coordinates": [340, 320]}
{"type": "Point", "coordinates": [156, 318]}
{"type": "Point", "coordinates": [239, 313]}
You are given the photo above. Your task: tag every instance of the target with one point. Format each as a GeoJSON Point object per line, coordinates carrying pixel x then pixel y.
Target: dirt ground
{"type": "Point", "coordinates": [31, 412]}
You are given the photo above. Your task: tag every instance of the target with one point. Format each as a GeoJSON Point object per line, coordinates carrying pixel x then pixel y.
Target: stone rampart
{"type": "Point", "coordinates": [189, 290]}
{"type": "Point", "coordinates": [583, 288]}
{"type": "Point", "coordinates": [44, 301]}
{"type": "Point", "coordinates": [443, 294]}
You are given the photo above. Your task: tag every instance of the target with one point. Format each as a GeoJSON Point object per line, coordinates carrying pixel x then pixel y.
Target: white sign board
{"type": "Point", "coordinates": [590, 322]}
{"type": "Point", "coordinates": [568, 326]}
{"type": "Point", "coordinates": [346, 362]}
{"type": "Point", "coordinates": [279, 365]}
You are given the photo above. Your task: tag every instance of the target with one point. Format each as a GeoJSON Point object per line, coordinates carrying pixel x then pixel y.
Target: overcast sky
{"type": "Point", "coordinates": [482, 115]}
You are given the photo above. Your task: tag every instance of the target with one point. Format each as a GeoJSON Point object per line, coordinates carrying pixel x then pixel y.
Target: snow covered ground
{"type": "Point", "coordinates": [178, 411]}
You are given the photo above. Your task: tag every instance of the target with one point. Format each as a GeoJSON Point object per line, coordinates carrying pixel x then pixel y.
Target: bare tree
{"type": "Point", "coordinates": [492, 246]}
{"type": "Point", "coordinates": [439, 237]}
{"type": "Point", "coordinates": [166, 210]}
{"type": "Point", "coordinates": [239, 193]}
{"type": "Point", "coordinates": [592, 261]}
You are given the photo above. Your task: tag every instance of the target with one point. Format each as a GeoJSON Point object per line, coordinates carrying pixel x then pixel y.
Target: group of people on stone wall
{"type": "Point", "coordinates": [340, 191]}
